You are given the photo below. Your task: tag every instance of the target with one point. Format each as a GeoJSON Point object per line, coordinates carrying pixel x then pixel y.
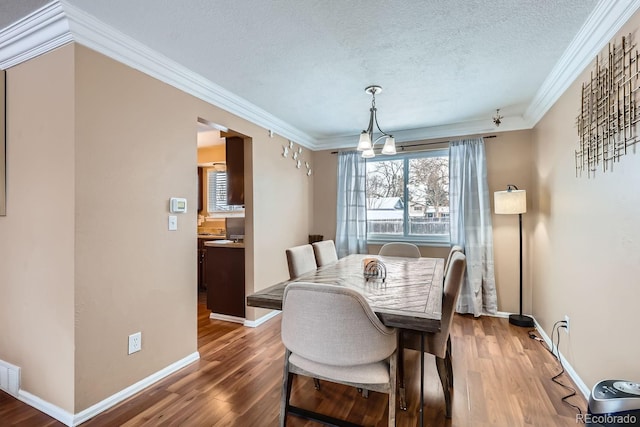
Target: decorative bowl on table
{"type": "Point", "coordinates": [374, 269]}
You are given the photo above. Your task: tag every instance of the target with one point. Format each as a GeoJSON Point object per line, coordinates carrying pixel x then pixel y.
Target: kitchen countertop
{"type": "Point", "coordinates": [212, 236]}
{"type": "Point", "coordinates": [224, 244]}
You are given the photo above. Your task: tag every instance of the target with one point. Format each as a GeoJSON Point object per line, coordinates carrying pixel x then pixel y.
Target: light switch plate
{"type": "Point", "coordinates": [173, 223]}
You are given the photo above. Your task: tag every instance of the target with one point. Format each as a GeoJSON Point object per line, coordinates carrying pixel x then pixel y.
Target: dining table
{"type": "Point", "coordinates": [405, 293]}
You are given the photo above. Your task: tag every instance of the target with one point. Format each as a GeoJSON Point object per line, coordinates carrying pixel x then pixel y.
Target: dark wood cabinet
{"type": "Point", "coordinates": [235, 170]}
{"type": "Point", "coordinates": [224, 271]}
{"type": "Point", "coordinates": [202, 257]}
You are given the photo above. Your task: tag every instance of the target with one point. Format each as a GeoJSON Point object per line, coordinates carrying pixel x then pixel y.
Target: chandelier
{"type": "Point", "coordinates": [367, 142]}
{"type": "Point", "coordinates": [497, 119]}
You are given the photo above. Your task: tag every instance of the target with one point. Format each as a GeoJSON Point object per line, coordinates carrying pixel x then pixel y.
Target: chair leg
{"type": "Point", "coordinates": [287, 378]}
{"type": "Point", "coordinates": [441, 364]}
{"type": "Point", "coordinates": [401, 387]}
{"type": "Point", "coordinates": [449, 363]}
{"type": "Point", "coordinates": [393, 382]}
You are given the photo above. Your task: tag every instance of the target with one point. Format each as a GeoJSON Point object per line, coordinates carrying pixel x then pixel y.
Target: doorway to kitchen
{"type": "Point", "coordinates": [221, 217]}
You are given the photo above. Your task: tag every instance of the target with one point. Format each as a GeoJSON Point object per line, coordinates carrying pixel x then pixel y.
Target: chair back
{"type": "Point", "coordinates": [325, 252]}
{"type": "Point", "coordinates": [333, 325]}
{"type": "Point", "coordinates": [408, 250]}
{"type": "Point", "coordinates": [454, 248]}
{"type": "Point", "coordinates": [452, 284]}
{"type": "Point", "coordinates": [300, 260]}
{"type": "Point", "coordinates": [437, 343]}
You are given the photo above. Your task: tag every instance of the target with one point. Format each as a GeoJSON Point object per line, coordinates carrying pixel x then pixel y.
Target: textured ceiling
{"type": "Point", "coordinates": [12, 10]}
{"type": "Point", "coordinates": [307, 62]}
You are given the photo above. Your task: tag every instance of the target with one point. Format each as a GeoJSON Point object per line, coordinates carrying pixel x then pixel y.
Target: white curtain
{"type": "Point", "coordinates": [351, 229]}
{"type": "Point", "coordinates": [470, 216]}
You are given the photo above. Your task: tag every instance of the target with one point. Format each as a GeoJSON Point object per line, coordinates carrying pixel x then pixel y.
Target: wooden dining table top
{"type": "Point", "coordinates": [409, 298]}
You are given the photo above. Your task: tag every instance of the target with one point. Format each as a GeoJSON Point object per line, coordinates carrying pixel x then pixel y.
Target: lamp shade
{"type": "Point", "coordinates": [510, 201]}
{"type": "Point", "coordinates": [368, 154]}
{"type": "Point", "coordinates": [389, 146]}
{"type": "Point", "coordinates": [365, 142]}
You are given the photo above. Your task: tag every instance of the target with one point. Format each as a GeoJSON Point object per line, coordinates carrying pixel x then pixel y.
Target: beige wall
{"type": "Point", "coordinates": [135, 148]}
{"type": "Point", "coordinates": [95, 151]}
{"type": "Point", "coordinates": [508, 162]}
{"type": "Point", "coordinates": [37, 235]}
{"type": "Point", "coordinates": [2, 144]}
{"type": "Point", "coordinates": [587, 245]}
{"type": "Point", "coordinates": [325, 191]}
{"type": "Point", "coordinates": [283, 202]}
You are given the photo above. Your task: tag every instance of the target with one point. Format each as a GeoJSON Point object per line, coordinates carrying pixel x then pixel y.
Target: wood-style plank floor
{"type": "Point", "coordinates": [501, 378]}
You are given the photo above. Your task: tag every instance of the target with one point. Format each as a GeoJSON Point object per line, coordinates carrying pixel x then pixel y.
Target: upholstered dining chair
{"type": "Point", "coordinates": [300, 260]}
{"type": "Point", "coordinates": [325, 252]}
{"type": "Point", "coordinates": [439, 344]}
{"type": "Point", "coordinates": [403, 249]}
{"type": "Point", "coordinates": [317, 343]}
{"type": "Point", "coordinates": [454, 249]}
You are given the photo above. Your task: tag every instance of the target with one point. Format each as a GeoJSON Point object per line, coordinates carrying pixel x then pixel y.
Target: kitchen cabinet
{"type": "Point", "coordinates": [224, 271]}
{"type": "Point", "coordinates": [202, 257]}
{"type": "Point", "coordinates": [235, 170]}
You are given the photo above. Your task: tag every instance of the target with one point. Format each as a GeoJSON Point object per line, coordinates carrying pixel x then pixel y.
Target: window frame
{"type": "Point", "coordinates": [427, 240]}
{"type": "Point", "coordinates": [229, 208]}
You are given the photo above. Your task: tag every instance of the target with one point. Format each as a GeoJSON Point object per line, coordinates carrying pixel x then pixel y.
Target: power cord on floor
{"type": "Point", "coordinates": [556, 328]}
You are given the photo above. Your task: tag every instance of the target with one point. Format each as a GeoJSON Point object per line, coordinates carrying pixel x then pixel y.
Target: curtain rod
{"type": "Point", "coordinates": [422, 144]}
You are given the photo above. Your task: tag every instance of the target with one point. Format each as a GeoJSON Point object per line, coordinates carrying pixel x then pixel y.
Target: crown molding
{"type": "Point", "coordinates": [474, 127]}
{"type": "Point", "coordinates": [38, 33]}
{"type": "Point", "coordinates": [600, 27]}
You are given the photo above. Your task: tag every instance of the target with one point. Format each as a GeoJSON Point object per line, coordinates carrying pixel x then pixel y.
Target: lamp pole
{"type": "Point", "coordinates": [520, 319]}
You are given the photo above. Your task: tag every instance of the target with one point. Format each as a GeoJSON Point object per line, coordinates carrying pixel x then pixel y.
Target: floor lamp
{"type": "Point", "coordinates": [513, 201]}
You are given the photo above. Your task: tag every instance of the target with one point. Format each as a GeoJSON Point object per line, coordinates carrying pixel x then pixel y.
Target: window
{"type": "Point", "coordinates": [408, 197]}
{"type": "Point", "coordinates": [217, 192]}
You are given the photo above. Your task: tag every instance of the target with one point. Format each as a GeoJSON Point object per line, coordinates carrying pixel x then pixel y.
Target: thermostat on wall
{"type": "Point", "coordinates": [177, 205]}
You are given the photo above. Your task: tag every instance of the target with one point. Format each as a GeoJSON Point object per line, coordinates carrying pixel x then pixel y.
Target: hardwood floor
{"type": "Point", "coordinates": [501, 378]}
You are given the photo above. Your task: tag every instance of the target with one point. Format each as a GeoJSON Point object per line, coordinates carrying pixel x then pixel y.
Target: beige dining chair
{"type": "Point", "coordinates": [454, 249]}
{"type": "Point", "coordinates": [300, 260]}
{"type": "Point", "coordinates": [403, 249]}
{"type": "Point", "coordinates": [317, 343]}
{"type": "Point", "coordinates": [325, 252]}
{"type": "Point", "coordinates": [439, 344]}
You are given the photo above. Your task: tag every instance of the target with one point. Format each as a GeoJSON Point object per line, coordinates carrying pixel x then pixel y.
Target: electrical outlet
{"type": "Point", "coordinates": [135, 342]}
{"type": "Point", "coordinates": [566, 323]}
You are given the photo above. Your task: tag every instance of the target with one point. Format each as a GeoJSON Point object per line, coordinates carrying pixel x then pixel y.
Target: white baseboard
{"type": "Point", "coordinates": [227, 318]}
{"type": "Point", "coordinates": [586, 392]}
{"type": "Point", "coordinates": [74, 420]}
{"type": "Point", "coordinates": [66, 418]}
{"type": "Point", "coordinates": [260, 321]}
{"type": "Point", "coordinates": [503, 314]}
